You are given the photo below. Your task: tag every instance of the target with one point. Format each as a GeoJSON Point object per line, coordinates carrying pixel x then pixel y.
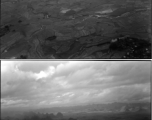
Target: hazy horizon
{"type": "Point", "coordinates": [39, 84]}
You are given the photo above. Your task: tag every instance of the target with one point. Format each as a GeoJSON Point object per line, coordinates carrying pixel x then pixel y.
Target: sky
{"type": "Point", "coordinates": [68, 83]}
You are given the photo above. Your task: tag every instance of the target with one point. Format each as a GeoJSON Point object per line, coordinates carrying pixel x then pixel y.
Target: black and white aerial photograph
{"type": "Point", "coordinates": [75, 29]}
{"type": "Point", "coordinates": [75, 90]}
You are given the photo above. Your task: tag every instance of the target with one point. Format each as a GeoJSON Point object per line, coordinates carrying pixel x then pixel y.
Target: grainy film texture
{"type": "Point", "coordinates": [75, 29]}
{"type": "Point", "coordinates": [75, 90]}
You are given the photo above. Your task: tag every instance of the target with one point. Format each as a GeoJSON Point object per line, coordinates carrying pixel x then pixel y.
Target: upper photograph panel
{"type": "Point", "coordinates": [75, 29]}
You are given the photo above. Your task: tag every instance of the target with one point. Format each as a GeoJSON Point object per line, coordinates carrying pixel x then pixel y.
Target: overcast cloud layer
{"type": "Point", "coordinates": [35, 83]}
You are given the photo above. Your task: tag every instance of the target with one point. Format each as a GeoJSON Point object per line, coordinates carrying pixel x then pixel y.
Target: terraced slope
{"type": "Point", "coordinates": [75, 30]}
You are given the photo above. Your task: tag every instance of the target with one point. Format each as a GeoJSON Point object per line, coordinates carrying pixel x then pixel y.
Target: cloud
{"type": "Point", "coordinates": [37, 66]}
{"type": "Point", "coordinates": [40, 83]}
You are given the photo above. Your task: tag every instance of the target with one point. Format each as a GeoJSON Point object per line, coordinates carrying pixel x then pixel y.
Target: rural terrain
{"type": "Point", "coordinates": [75, 29]}
{"type": "Point", "coordinates": [112, 111]}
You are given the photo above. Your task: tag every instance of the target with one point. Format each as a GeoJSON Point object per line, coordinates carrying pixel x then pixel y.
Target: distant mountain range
{"type": "Point", "coordinates": [112, 107]}
{"type": "Point", "coordinates": [82, 109]}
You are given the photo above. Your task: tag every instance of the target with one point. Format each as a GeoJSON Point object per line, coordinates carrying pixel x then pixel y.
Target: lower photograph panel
{"type": "Point", "coordinates": [75, 90]}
